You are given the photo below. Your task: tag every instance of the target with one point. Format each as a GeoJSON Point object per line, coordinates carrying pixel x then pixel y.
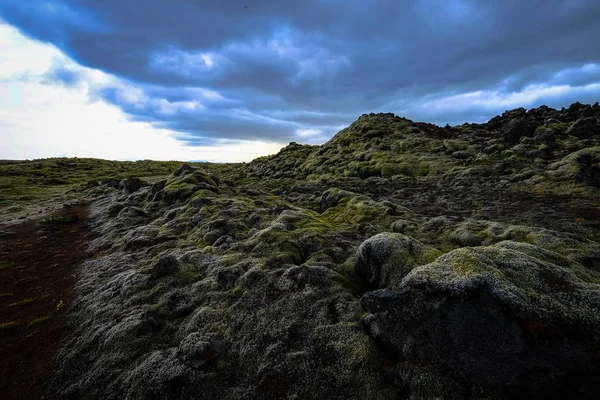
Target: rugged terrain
{"type": "Point", "coordinates": [398, 260]}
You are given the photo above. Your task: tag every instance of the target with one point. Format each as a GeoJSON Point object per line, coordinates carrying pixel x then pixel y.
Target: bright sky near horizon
{"type": "Point", "coordinates": [231, 82]}
{"type": "Point", "coordinates": [41, 118]}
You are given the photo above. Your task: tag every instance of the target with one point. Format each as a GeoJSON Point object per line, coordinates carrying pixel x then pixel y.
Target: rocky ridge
{"type": "Point", "coordinates": [398, 260]}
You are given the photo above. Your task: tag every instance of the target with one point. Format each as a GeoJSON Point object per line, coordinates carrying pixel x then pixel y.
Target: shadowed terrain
{"type": "Point", "coordinates": [397, 260]}
{"type": "Point", "coordinates": [38, 268]}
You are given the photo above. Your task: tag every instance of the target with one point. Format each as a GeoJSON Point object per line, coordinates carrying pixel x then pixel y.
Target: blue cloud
{"type": "Point", "coordinates": [273, 71]}
{"type": "Point", "coordinates": [64, 75]}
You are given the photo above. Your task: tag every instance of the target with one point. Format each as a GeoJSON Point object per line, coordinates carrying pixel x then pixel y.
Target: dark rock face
{"type": "Point", "coordinates": [184, 170]}
{"type": "Point", "coordinates": [132, 185]}
{"type": "Point", "coordinates": [477, 347]}
{"type": "Point", "coordinates": [6, 234]}
{"type": "Point", "coordinates": [167, 265]}
{"type": "Point", "coordinates": [115, 208]}
{"type": "Point", "coordinates": [584, 128]}
{"type": "Point", "coordinates": [515, 129]}
{"type": "Point", "coordinates": [589, 170]}
{"type": "Point", "coordinates": [156, 193]}
{"type": "Point", "coordinates": [177, 303]}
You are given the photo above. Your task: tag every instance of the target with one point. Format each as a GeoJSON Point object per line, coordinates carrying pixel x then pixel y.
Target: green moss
{"type": "Point", "coordinates": [558, 126]}
{"type": "Point", "coordinates": [22, 182]}
{"type": "Point", "coordinates": [180, 185]}
{"type": "Point", "coordinates": [358, 210]}
{"type": "Point", "coordinates": [523, 275]}
{"type": "Point", "coordinates": [464, 263]}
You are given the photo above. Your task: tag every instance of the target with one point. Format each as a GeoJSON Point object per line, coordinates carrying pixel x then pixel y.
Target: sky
{"type": "Point", "coordinates": [232, 80]}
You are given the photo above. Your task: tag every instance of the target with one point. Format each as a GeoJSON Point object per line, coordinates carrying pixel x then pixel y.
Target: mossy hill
{"type": "Point", "coordinates": [397, 260]}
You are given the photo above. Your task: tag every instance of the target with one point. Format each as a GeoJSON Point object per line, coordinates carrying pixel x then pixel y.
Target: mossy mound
{"type": "Point", "coordinates": [385, 259]}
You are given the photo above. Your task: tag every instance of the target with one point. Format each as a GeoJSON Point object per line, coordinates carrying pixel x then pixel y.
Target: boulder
{"type": "Point", "coordinates": [332, 197]}
{"type": "Point", "coordinates": [515, 129]}
{"type": "Point", "coordinates": [386, 258]}
{"type": "Point", "coordinates": [156, 190]}
{"type": "Point", "coordinates": [589, 170]}
{"type": "Point", "coordinates": [504, 321]}
{"type": "Point", "coordinates": [224, 242]}
{"type": "Point", "coordinates": [184, 170]}
{"type": "Point", "coordinates": [132, 185]}
{"type": "Point", "coordinates": [547, 137]}
{"type": "Point", "coordinates": [227, 277]}
{"type": "Point", "coordinates": [584, 128]}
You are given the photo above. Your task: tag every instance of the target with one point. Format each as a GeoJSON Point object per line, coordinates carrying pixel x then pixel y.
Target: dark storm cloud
{"type": "Point", "coordinates": [269, 70]}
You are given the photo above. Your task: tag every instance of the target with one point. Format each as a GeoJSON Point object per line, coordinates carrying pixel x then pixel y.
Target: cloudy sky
{"type": "Point", "coordinates": [229, 80]}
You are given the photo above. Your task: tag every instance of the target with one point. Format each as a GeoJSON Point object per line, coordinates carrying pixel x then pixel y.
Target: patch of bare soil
{"type": "Point", "coordinates": [38, 261]}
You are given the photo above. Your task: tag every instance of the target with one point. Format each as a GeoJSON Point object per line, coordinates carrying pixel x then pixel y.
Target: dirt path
{"type": "Point", "coordinates": [38, 261]}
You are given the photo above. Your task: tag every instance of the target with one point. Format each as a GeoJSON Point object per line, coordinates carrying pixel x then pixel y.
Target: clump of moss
{"type": "Point", "coordinates": [524, 275]}
{"type": "Point", "coordinates": [385, 259]}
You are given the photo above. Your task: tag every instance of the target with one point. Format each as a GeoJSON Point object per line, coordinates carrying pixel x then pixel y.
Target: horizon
{"type": "Point", "coordinates": [230, 83]}
{"type": "Point", "coordinates": [264, 155]}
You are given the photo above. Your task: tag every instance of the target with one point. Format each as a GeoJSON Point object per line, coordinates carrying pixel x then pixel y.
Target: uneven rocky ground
{"type": "Point", "coordinates": [398, 260]}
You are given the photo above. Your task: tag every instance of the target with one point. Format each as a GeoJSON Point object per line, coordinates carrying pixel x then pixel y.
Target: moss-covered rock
{"type": "Point", "coordinates": [506, 320]}
{"type": "Point", "coordinates": [385, 259]}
